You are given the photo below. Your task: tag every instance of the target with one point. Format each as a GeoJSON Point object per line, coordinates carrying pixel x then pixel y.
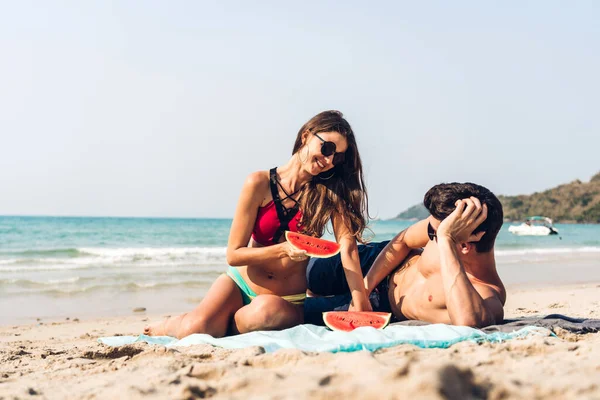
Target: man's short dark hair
{"type": "Point", "coordinates": [440, 201]}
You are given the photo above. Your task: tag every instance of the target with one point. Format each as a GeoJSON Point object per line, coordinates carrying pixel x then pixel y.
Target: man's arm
{"type": "Point", "coordinates": [466, 306]}
{"type": "Point", "coordinates": [413, 237]}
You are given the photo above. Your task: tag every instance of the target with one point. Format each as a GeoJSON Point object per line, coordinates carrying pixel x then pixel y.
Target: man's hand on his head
{"type": "Point", "coordinates": [459, 225]}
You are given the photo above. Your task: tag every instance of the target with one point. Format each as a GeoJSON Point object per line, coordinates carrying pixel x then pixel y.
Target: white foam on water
{"type": "Point", "coordinates": [547, 255]}
{"type": "Point", "coordinates": [547, 251]}
{"type": "Point", "coordinates": [153, 251]}
{"type": "Point", "coordinates": [120, 257]}
{"type": "Point", "coordinates": [121, 287]}
{"type": "Point", "coordinates": [61, 281]}
{"type": "Point", "coordinates": [39, 267]}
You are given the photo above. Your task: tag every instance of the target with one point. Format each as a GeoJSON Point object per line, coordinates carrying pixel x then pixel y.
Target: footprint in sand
{"type": "Point", "coordinates": [526, 311]}
{"type": "Point", "coordinates": [198, 391]}
{"type": "Point", "coordinates": [326, 380]}
{"type": "Point", "coordinates": [279, 358]}
{"type": "Point", "coordinates": [113, 352]}
{"type": "Point", "coordinates": [557, 305]}
{"type": "Point", "coordinates": [210, 371]}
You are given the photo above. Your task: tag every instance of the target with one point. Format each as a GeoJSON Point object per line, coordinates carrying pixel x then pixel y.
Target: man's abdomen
{"type": "Point", "coordinates": [418, 297]}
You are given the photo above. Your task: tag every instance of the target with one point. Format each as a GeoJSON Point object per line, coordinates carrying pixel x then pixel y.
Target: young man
{"type": "Point", "coordinates": [440, 270]}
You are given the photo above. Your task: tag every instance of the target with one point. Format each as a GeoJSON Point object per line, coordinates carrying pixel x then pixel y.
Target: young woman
{"type": "Point", "coordinates": [265, 285]}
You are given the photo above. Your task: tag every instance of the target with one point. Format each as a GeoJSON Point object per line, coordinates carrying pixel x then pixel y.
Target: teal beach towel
{"type": "Point", "coordinates": [319, 339]}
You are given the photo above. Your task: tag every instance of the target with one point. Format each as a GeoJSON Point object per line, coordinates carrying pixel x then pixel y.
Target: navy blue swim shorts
{"type": "Point", "coordinates": [326, 279]}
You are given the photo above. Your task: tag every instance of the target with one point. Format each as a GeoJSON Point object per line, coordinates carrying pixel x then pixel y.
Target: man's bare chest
{"type": "Point", "coordinates": [424, 292]}
{"type": "Point", "coordinates": [418, 291]}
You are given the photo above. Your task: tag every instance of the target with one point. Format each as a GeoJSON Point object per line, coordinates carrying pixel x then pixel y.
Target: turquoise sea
{"type": "Point", "coordinates": [57, 267]}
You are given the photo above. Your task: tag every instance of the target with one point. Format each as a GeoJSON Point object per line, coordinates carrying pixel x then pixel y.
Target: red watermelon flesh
{"type": "Point", "coordinates": [349, 320]}
{"type": "Point", "coordinates": [314, 247]}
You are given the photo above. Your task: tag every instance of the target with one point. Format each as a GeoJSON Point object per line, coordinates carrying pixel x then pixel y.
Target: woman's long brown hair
{"type": "Point", "coordinates": [344, 192]}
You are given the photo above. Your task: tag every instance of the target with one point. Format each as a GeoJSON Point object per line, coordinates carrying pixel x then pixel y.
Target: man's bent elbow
{"type": "Point", "coordinates": [475, 321]}
{"type": "Point", "coordinates": [466, 321]}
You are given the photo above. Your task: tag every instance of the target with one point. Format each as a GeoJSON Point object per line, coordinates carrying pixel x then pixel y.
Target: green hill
{"type": "Point", "coordinates": [416, 212]}
{"type": "Point", "coordinates": [572, 202]}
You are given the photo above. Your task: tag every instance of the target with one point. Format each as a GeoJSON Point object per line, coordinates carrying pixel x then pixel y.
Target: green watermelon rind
{"type": "Point", "coordinates": [383, 317]}
{"type": "Point", "coordinates": [309, 251]}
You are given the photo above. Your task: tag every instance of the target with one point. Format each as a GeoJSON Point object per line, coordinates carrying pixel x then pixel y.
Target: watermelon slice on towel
{"type": "Point", "coordinates": [349, 320]}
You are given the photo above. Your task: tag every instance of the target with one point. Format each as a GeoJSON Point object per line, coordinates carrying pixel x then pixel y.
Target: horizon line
{"type": "Point", "coordinates": [103, 216]}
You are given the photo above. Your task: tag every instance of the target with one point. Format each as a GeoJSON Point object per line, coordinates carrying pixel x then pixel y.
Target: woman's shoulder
{"type": "Point", "coordinates": [257, 180]}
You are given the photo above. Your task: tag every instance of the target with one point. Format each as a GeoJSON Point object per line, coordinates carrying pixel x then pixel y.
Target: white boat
{"type": "Point", "coordinates": [534, 226]}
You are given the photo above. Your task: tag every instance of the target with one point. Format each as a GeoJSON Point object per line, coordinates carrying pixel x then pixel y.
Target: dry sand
{"type": "Point", "coordinates": [63, 360]}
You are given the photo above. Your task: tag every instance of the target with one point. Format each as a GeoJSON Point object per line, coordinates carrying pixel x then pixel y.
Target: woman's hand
{"type": "Point", "coordinates": [293, 253]}
{"type": "Point", "coordinates": [362, 304]}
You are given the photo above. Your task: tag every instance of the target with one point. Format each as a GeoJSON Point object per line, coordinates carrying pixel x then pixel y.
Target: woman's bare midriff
{"type": "Point", "coordinates": [281, 277]}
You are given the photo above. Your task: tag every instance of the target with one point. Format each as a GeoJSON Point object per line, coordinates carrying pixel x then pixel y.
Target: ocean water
{"type": "Point", "coordinates": [54, 267]}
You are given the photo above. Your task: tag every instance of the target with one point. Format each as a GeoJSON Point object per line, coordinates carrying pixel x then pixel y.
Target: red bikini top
{"type": "Point", "coordinates": [274, 218]}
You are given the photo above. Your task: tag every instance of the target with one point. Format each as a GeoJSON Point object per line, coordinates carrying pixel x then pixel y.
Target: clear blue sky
{"type": "Point", "coordinates": [148, 108]}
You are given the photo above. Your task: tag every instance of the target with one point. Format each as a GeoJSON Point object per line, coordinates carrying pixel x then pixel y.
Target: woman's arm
{"type": "Point", "coordinates": [413, 237]}
{"type": "Point", "coordinates": [238, 252]}
{"type": "Point", "coordinates": [351, 265]}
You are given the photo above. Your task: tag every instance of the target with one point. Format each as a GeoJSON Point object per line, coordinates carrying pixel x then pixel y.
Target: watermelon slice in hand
{"type": "Point", "coordinates": [313, 246]}
{"type": "Point", "coordinates": [349, 320]}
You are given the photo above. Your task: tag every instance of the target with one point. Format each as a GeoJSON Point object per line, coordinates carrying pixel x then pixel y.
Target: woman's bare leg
{"type": "Point", "coordinates": [267, 312]}
{"type": "Point", "coordinates": [211, 316]}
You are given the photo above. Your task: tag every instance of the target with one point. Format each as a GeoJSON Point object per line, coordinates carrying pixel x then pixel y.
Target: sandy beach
{"type": "Point", "coordinates": [153, 151]}
{"type": "Point", "coordinates": [62, 359]}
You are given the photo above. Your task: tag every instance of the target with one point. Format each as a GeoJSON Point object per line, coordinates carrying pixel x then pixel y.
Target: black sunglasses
{"type": "Point", "coordinates": [431, 232]}
{"type": "Point", "coordinates": [328, 148]}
